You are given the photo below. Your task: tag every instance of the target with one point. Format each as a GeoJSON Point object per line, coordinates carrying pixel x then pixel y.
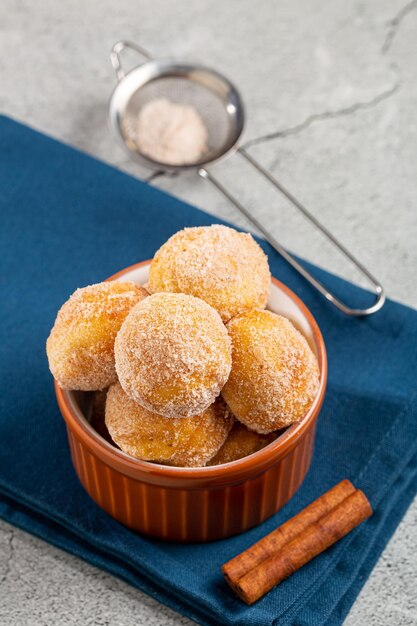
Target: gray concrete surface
{"type": "Point", "coordinates": [331, 96]}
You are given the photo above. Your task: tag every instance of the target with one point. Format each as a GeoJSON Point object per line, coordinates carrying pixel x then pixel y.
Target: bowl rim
{"type": "Point", "coordinates": [239, 469]}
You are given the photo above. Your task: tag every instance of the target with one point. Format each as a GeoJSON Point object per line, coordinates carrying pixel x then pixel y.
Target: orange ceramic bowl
{"type": "Point", "coordinates": [197, 504]}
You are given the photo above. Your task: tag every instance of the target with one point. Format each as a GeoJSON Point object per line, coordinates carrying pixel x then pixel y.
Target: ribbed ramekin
{"type": "Point", "coordinates": [198, 504]}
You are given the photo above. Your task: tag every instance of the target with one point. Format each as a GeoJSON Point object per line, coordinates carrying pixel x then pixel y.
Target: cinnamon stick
{"type": "Point", "coordinates": [241, 564]}
{"type": "Point", "coordinates": [319, 536]}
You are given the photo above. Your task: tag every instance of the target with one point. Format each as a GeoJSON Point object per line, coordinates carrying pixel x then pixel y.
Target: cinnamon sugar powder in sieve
{"type": "Point", "coordinates": [171, 133]}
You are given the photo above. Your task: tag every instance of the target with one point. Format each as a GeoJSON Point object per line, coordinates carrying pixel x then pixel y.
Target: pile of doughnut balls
{"type": "Point", "coordinates": [190, 369]}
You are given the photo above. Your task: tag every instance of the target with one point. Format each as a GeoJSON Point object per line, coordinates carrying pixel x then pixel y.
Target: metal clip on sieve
{"type": "Point", "coordinates": [220, 106]}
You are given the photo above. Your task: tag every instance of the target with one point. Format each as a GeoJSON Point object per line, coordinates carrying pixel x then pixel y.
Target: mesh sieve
{"type": "Point", "coordinates": [220, 127]}
{"type": "Point", "coordinates": [213, 97]}
{"type": "Point", "coordinates": [219, 105]}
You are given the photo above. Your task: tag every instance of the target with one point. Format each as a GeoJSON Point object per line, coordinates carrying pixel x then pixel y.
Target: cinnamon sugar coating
{"type": "Point", "coordinates": [241, 442]}
{"type": "Point", "coordinates": [181, 442]}
{"type": "Point", "coordinates": [275, 375]}
{"type": "Point", "coordinates": [80, 347]}
{"type": "Point", "coordinates": [173, 355]}
{"type": "Point", "coordinates": [220, 265]}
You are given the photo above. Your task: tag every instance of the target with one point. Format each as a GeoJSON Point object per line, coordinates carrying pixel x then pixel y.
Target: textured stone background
{"type": "Point", "coordinates": [331, 97]}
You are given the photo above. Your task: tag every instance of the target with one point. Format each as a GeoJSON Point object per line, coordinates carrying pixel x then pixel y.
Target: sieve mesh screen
{"type": "Point", "coordinates": [210, 107]}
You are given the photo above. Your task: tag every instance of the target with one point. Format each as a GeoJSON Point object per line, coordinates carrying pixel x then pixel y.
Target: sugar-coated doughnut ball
{"type": "Point", "coordinates": [240, 443]}
{"type": "Point", "coordinates": [173, 354]}
{"type": "Point", "coordinates": [218, 264]}
{"type": "Point", "coordinates": [151, 437]}
{"type": "Point", "coordinates": [80, 347]}
{"type": "Point", "coordinates": [275, 375]}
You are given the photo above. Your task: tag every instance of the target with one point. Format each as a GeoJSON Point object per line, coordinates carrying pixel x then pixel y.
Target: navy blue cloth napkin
{"type": "Point", "coordinates": [68, 220]}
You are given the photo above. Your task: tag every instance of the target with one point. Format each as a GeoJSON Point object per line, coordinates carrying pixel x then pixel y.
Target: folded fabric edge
{"type": "Point", "coordinates": [193, 600]}
{"type": "Point", "coordinates": [369, 543]}
{"type": "Point", "coordinates": [397, 512]}
{"type": "Point", "coordinates": [57, 535]}
{"type": "Point", "coordinates": [398, 436]}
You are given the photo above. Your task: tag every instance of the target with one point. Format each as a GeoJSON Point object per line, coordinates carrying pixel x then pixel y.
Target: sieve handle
{"type": "Point", "coordinates": [115, 56]}
{"type": "Point", "coordinates": [331, 297]}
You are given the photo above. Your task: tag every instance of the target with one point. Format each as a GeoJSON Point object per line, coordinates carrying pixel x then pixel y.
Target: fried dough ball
{"type": "Point", "coordinates": [241, 442]}
{"type": "Point", "coordinates": [173, 354]}
{"type": "Point", "coordinates": [275, 375]}
{"type": "Point", "coordinates": [218, 264]}
{"type": "Point", "coordinates": [80, 347]}
{"type": "Point", "coordinates": [148, 436]}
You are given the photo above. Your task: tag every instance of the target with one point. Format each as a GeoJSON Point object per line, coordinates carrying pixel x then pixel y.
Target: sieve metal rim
{"type": "Point", "coordinates": [156, 69]}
